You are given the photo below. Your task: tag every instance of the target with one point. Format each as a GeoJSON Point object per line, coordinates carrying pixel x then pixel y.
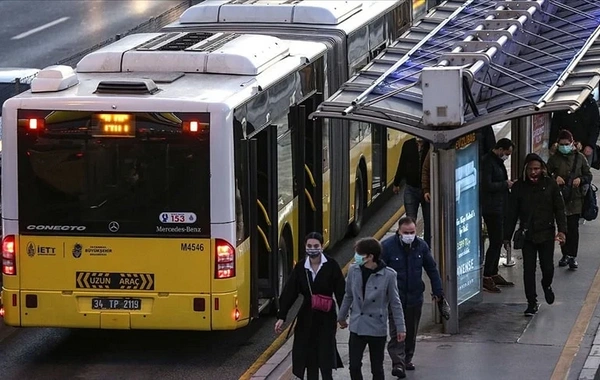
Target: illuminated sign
{"type": "Point", "coordinates": [114, 125]}
{"type": "Point", "coordinates": [468, 224]}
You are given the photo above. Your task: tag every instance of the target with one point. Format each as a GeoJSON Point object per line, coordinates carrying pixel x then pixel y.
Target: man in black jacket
{"type": "Point", "coordinates": [495, 187]}
{"type": "Point", "coordinates": [536, 201]}
{"type": "Point", "coordinates": [414, 152]}
{"type": "Point", "coordinates": [584, 124]}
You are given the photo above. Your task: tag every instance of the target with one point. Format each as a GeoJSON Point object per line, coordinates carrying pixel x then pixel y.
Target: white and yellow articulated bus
{"type": "Point", "coordinates": [168, 181]}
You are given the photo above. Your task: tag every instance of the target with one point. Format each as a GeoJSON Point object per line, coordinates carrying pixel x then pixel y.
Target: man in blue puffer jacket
{"type": "Point", "coordinates": [408, 255]}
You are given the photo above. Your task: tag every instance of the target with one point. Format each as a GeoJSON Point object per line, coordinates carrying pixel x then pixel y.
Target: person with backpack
{"type": "Point", "coordinates": [572, 173]}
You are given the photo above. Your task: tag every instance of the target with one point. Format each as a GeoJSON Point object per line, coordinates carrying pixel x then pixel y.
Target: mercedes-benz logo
{"type": "Point", "coordinates": [113, 226]}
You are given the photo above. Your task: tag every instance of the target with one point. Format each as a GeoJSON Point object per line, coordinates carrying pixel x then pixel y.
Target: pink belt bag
{"type": "Point", "coordinates": [319, 302]}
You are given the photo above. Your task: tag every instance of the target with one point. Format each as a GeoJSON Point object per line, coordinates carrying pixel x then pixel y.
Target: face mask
{"type": "Point", "coordinates": [359, 259]}
{"type": "Point", "coordinates": [565, 149]}
{"type": "Point", "coordinates": [313, 252]}
{"type": "Point", "coordinates": [504, 158]}
{"type": "Point", "coordinates": [408, 238]}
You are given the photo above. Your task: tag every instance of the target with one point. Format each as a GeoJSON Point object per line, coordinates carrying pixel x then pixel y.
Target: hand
{"type": "Point", "coordinates": [560, 181]}
{"type": "Point", "coordinates": [561, 238]}
{"type": "Point", "coordinates": [588, 150]}
{"type": "Point", "coordinates": [396, 189]}
{"type": "Point", "coordinates": [427, 197]}
{"type": "Point", "coordinates": [576, 182]}
{"type": "Point", "coordinates": [343, 324]}
{"type": "Point", "coordinates": [279, 326]}
{"type": "Point", "coordinates": [401, 337]}
{"type": "Point", "coordinates": [553, 148]}
{"type": "Point", "coordinates": [506, 245]}
{"type": "Point", "coordinates": [510, 183]}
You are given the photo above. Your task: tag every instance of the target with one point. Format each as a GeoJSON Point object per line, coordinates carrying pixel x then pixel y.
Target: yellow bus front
{"type": "Point", "coordinates": [113, 227]}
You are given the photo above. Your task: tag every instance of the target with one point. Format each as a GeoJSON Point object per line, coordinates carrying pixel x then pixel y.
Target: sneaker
{"type": "Point", "coordinates": [549, 294]}
{"type": "Point", "coordinates": [399, 372]}
{"type": "Point", "coordinates": [490, 286]}
{"type": "Point", "coordinates": [410, 367]}
{"type": "Point", "coordinates": [573, 263]}
{"type": "Point", "coordinates": [501, 281]}
{"type": "Point", "coordinates": [564, 261]}
{"type": "Point", "coordinates": [532, 309]}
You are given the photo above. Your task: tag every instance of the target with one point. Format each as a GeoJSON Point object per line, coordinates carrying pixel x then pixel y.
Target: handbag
{"type": "Point", "coordinates": [567, 189]}
{"type": "Point", "coordinates": [319, 302]}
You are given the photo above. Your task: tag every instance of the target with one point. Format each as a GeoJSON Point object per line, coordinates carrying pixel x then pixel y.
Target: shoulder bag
{"type": "Point", "coordinates": [319, 302]}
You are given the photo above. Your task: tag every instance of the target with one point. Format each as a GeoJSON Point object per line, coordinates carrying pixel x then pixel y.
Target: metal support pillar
{"type": "Point", "coordinates": [435, 217]}
{"type": "Point", "coordinates": [521, 137]}
{"type": "Point", "coordinates": [444, 216]}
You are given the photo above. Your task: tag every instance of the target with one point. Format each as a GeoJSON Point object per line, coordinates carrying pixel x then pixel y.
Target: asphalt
{"type": "Point", "coordinates": [68, 26]}
{"type": "Point", "coordinates": [496, 341]}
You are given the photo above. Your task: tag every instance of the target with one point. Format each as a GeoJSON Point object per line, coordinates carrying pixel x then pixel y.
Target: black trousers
{"type": "Point", "coordinates": [493, 223]}
{"type": "Point", "coordinates": [357, 346]}
{"type": "Point", "coordinates": [403, 352]}
{"type": "Point", "coordinates": [530, 251]}
{"type": "Point", "coordinates": [571, 246]}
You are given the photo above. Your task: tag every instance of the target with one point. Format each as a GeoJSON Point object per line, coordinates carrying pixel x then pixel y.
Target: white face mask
{"type": "Point", "coordinates": [504, 157]}
{"type": "Point", "coordinates": [408, 238]}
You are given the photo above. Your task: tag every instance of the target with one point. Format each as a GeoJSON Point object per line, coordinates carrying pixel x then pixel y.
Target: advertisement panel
{"type": "Point", "coordinates": [540, 133]}
{"type": "Point", "coordinates": [468, 222]}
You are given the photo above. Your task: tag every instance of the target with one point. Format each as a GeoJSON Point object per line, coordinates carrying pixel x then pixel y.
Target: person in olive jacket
{"type": "Point", "coordinates": [495, 186]}
{"type": "Point", "coordinates": [572, 172]}
{"type": "Point", "coordinates": [536, 202]}
{"type": "Point", "coordinates": [408, 255]}
{"type": "Point", "coordinates": [371, 290]}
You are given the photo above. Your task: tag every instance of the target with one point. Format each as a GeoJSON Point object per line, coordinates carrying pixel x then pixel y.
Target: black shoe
{"type": "Point", "coordinates": [399, 372]}
{"type": "Point", "coordinates": [549, 294]}
{"type": "Point", "coordinates": [564, 261]}
{"type": "Point", "coordinates": [410, 367]}
{"type": "Point", "coordinates": [532, 309]}
{"type": "Point", "coordinates": [573, 263]}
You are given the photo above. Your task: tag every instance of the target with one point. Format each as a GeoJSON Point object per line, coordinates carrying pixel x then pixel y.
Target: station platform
{"type": "Point", "coordinates": [496, 340]}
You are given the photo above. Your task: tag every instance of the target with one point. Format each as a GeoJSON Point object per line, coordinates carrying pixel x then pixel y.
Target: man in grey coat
{"type": "Point", "coordinates": [371, 289]}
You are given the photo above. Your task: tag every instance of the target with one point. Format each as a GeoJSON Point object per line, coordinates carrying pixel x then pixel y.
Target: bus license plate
{"type": "Point", "coordinates": [116, 303]}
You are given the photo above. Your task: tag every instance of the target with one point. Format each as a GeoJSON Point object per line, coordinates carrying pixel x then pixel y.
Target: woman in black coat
{"type": "Point", "coordinates": [314, 336]}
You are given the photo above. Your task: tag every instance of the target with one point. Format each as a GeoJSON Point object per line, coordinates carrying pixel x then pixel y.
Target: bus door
{"type": "Point", "coordinates": [379, 139]}
{"type": "Point", "coordinates": [249, 168]}
{"type": "Point", "coordinates": [308, 140]}
{"type": "Point", "coordinates": [267, 221]}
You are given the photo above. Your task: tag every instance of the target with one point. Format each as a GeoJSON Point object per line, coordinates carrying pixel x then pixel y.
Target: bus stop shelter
{"type": "Point", "coordinates": [465, 66]}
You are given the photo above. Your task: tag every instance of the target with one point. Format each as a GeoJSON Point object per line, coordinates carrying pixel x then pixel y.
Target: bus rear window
{"type": "Point", "coordinates": [124, 174]}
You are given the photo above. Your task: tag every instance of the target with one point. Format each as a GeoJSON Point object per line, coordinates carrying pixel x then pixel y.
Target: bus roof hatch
{"type": "Point", "coordinates": [219, 53]}
{"type": "Point", "coordinates": [329, 12]}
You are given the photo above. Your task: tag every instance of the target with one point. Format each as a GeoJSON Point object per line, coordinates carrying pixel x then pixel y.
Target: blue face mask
{"type": "Point", "coordinates": [565, 149]}
{"type": "Point", "coordinates": [359, 259]}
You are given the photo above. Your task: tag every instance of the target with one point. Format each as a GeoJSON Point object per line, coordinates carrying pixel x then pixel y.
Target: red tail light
{"type": "Point", "coordinates": [36, 124]}
{"type": "Point", "coordinates": [225, 259]}
{"type": "Point", "coordinates": [9, 265]}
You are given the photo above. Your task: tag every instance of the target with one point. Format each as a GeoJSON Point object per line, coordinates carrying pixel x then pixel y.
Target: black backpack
{"type": "Point", "coordinates": [590, 204]}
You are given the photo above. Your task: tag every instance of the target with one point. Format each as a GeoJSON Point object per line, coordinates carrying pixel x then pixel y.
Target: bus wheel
{"type": "Point", "coordinates": [359, 204]}
{"type": "Point", "coordinates": [282, 272]}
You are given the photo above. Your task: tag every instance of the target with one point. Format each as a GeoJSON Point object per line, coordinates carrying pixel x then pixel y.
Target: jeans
{"type": "Point", "coordinates": [403, 352]}
{"type": "Point", "coordinates": [357, 346]}
{"type": "Point", "coordinates": [571, 246]}
{"type": "Point", "coordinates": [413, 197]}
{"type": "Point", "coordinates": [493, 222]}
{"type": "Point", "coordinates": [530, 251]}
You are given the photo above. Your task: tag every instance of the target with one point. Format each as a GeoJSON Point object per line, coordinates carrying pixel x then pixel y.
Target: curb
{"type": "Point", "coordinates": [591, 368]}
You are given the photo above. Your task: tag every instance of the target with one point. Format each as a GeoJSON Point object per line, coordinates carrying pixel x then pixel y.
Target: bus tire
{"type": "Point", "coordinates": [282, 272]}
{"type": "Point", "coordinates": [359, 204]}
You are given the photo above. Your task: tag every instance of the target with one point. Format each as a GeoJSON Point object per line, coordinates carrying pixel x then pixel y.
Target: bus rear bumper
{"type": "Point", "coordinates": [164, 311]}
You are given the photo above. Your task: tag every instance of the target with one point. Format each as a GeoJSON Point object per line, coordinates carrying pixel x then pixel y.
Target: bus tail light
{"type": "Point", "coordinates": [9, 264]}
{"type": "Point", "coordinates": [225, 259]}
{"type": "Point", "coordinates": [36, 124]}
